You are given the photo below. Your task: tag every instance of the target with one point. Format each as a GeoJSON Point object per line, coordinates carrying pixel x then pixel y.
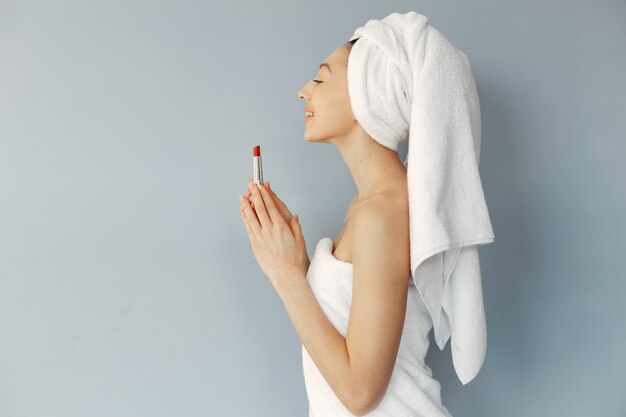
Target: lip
{"type": "Point", "coordinates": [306, 118]}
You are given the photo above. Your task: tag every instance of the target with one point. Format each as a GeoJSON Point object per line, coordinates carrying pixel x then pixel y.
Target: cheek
{"type": "Point", "coordinates": [337, 111]}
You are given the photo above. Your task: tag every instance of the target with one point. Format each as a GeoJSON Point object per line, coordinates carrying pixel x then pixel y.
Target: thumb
{"type": "Point", "coordinates": [296, 229]}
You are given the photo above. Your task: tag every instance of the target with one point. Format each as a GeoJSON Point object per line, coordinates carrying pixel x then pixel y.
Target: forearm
{"type": "Point", "coordinates": [326, 346]}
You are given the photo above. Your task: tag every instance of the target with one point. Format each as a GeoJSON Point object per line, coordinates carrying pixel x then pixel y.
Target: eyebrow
{"type": "Point", "coordinates": [327, 66]}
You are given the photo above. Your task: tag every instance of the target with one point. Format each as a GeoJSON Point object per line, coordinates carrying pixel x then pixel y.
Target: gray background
{"type": "Point", "coordinates": [127, 284]}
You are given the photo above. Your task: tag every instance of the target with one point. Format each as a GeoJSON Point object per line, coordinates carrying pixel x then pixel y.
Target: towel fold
{"type": "Point", "coordinates": [407, 81]}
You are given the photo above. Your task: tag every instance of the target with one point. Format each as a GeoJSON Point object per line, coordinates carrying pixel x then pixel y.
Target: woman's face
{"type": "Point", "coordinates": [327, 97]}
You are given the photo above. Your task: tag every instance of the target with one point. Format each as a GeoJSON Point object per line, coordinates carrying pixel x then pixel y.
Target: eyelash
{"type": "Point", "coordinates": [318, 81]}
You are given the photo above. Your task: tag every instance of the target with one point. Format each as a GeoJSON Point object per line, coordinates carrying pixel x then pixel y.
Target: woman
{"type": "Point", "coordinates": [359, 367]}
{"type": "Point", "coordinates": [362, 322]}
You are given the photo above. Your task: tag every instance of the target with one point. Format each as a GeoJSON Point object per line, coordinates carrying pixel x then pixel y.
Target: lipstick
{"type": "Point", "coordinates": [257, 167]}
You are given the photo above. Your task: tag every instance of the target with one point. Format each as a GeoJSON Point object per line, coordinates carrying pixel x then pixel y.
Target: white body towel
{"type": "Point", "coordinates": [412, 390]}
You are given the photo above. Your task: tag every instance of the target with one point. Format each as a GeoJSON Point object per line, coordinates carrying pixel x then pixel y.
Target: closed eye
{"type": "Point", "coordinates": [318, 81]}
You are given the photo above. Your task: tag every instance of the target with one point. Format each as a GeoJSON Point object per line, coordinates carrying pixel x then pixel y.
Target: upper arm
{"type": "Point", "coordinates": [380, 258]}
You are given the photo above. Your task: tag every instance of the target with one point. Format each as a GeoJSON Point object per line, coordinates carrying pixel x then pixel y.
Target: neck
{"type": "Point", "coordinates": [374, 168]}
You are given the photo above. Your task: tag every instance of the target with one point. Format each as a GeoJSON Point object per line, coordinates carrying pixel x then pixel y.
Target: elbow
{"type": "Point", "coordinates": [358, 411]}
{"type": "Point", "coordinates": [362, 408]}
{"type": "Point", "coordinates": [363, 402]}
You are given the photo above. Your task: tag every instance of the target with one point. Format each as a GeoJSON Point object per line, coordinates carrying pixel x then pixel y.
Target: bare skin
{"type": "Point", "coordinates": [377, 171]}
{"type": "Point", "coordinates": [375, 235]}
{"type": "Point", "coordinates": [374, 238]}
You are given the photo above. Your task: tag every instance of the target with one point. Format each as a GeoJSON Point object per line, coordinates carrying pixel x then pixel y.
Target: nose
{"type": "Point", "coordinates": [302, 94]}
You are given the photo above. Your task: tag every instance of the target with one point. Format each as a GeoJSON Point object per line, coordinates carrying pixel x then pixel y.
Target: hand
{"type": "Point", "coordinates": [278, 245]}
{"type": "Point", "coordinates": [282, 207]}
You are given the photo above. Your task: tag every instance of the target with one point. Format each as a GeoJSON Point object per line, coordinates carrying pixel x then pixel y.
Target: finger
{"type": "Point", "coordinates": [259, 206]}
{"type": "Point", "coordinates": [282, 207]}
{"type": "Point", "coordinates": [275, 216]}
{"type": "Point", "coordinates": [293, 225]}
{"type": "Point", "coordinates": [249, 193]}
{"type": "Point", "coordinates": [249, 230]}
{"type": "Point", "coordinates": [252, 219]}
{"type": "Point", "coordinates": [274, 196]}
{"type": "Point", "coordinates": [298, 228]}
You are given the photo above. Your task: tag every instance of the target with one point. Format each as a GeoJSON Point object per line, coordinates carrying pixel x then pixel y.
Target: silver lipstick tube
{"type": "Point", "coordinates": [258, 170]}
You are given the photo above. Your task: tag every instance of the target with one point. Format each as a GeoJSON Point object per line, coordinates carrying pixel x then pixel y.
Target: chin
{"type": "Point", "coordinates": [309, 137]}
{"type": "Point", "coordinates": [312, 140]}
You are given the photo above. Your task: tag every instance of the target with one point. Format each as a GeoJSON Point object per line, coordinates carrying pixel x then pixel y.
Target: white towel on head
{"type": "Point", "coordinates": [407, 81]}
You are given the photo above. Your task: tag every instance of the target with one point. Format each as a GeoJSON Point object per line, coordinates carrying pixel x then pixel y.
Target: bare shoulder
{"type": "Point", "coordinates": [381, 271]}
{"type": "Point", "coordinates": [387, 211]}
{"type": "Point", "coordinates": [382, 224]}
{"type": "Point", "coordinates": [389, 202]}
